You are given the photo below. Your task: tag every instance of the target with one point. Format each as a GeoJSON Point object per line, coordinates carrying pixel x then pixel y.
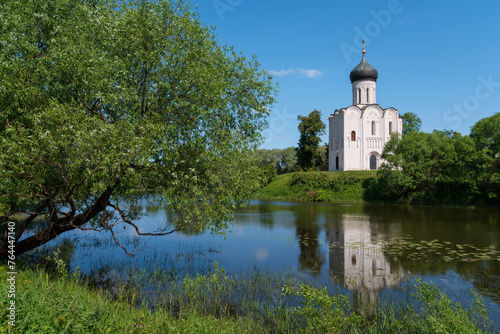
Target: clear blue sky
{"type": "Point", "coordinates": [437, 59]}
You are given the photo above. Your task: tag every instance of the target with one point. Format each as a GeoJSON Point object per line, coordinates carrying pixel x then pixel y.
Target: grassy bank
{"type": "Point", "coordinates": [155, 301]}
{"type": "Point", "coordinates": [46, 304]}
{"type": "Point", "coordinates": [318, 186]}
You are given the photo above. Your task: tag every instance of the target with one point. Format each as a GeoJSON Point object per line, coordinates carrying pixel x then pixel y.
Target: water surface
{"type": "Point", "coordinates": [344, 244]}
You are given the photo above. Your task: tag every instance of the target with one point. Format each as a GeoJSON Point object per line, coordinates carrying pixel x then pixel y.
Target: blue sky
{"type": "Point", "coordinates": [437, 59]}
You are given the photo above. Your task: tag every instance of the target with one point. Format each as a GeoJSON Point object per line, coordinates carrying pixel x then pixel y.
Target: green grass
{"type": "Point", "coordinates": [318, 186]}
{"type": "Point", "coordinates": [62, 305]}
{"type": "Point", "coordinates": [155, 301]}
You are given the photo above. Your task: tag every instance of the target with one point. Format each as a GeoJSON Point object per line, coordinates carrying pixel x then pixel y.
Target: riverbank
{"type": "Point", "coordinates": [48, 304]}
{"type": "Point", "coordinates": [217, 302]}
{"type": "Point", "coordinates": [364, 187]}
{"type": "Point", "coordinates": [349, 186]}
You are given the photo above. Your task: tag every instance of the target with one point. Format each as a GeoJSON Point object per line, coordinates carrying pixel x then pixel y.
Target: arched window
{"type": "Point", "coordinates": [373, 162]}
{"type": "Point", "coordinates": [368, 95]}
{"type": "Point", "coordinates": [390, 128]}
{"type": "Point", "coordinates": [359, 95]}
{"type": "Point", "coordinates": [373, 128]}
{"type": "Point", "coordinates": [353, 136]}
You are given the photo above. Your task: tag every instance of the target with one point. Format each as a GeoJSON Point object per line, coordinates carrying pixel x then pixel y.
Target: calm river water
{"type": "Point", "coordinates": [371, 250]}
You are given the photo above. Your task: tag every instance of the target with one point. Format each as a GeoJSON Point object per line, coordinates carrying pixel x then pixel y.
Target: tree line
{"type": "Point", "coordinates": [442, 167]}
{"type": "Point", "coordinates": [309, 155]}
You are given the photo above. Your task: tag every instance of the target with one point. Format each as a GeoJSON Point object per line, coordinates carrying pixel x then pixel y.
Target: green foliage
{"type": "Point", "coordinates": [324, 156]}
{"type": "Point", "coordinates": [310, 181]}
{"type": "Point", "coordinates": [278, 188]}
{"type": "Point", "coordinates": [268, 173]}
{"type": "Point", "coordinates": [288, 160]}
{"type": "Point", "coordinates": [214, 288]}
{"type": "Point", "coordinates": [282, 160]}
{"type": "Point", "coordinates": [310, 128]}
{"type": "Point", "coordinates": [266, 157]}
{"type": "Point", "coordinates": [274, 162]}
{"type": "Point", "coordinates": [318, 186]}
{"type": "Point", "coordinates": [436, 314]}
{"type": "Point", "coordinates": [411, 122]}
{"type": "Point", "coordinates": [435, 168]}
{"type": "Point", "coordinates": [486, 136]}
{"type": "Point", "coordinates": [388, 186]}
{"type": "Point", "coordinates": [103, 97]}
{"type": "Point", "coordinates": [441, 315]}
{"type": "Point", "coordinates": [424, 159]}
{"type": "Point", "coordinates": [438, 168]}
{"type": "Point", "coordinates": [323, 313]}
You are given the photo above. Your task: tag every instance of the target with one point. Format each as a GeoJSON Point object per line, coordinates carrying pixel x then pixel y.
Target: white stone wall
{"type": "Point", "coordinates": [352, 148]}
{"type": "Point", "coordinates": [371, 125]}
{"type": "Point", "coordinates": [364, 92]}
{"type": "Point", "coordinates": [336, 142]}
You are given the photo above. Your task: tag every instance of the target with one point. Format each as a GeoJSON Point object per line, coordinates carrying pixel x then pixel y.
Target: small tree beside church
{"type": "Point", "coordinates": [411, 122]}
{"type": "Point", "coordinates": [310, 128]}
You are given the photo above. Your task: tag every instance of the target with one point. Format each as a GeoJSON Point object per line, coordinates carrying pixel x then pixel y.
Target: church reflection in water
{"type": "Point", "coordinates": [357, 261]}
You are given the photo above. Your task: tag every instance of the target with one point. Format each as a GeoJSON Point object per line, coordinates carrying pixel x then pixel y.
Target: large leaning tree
{"type": "Point", "coordinates": [100, 98]}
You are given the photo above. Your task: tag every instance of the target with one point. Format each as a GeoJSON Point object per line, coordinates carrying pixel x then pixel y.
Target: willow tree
{"type": "Point", "coordinates": [99, 98]}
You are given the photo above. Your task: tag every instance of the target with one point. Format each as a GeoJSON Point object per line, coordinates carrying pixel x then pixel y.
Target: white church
{"type": "Point", "coordinates": [358, 134]}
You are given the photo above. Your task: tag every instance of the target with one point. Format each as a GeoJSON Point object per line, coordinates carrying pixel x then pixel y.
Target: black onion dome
{"type": "Point", "coordinates": [363, 71]}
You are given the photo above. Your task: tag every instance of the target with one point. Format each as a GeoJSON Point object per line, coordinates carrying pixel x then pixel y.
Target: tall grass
{"type": "Point", "coordinates": [164, 301]}
{"type": "Point", "coordinates": [68, 305]}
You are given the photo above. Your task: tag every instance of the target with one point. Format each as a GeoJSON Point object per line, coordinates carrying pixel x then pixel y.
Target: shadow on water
{"type": "Point", "coordinates": [44, 257]}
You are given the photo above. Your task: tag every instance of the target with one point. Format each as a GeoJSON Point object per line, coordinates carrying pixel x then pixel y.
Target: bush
{"type": "Point", "coordinates": [323, 313]}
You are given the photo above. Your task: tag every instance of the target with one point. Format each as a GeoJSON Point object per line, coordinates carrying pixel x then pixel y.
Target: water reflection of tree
{"type": "Point", "coordinates": [44, 256]}
{"type": "Point", "coordinates": [482, 274]}
{"type": "Point", "coordinates": [266, 215]}
{"type": "Point", "coordinates": [311, 257]}
{"type": "Point", "coordinates": [457, 226]}
{"type": "Point", "coordinates": [485, 279]}
{"type": "Point", "coordinates": [187, 230]}
{"type": "Point", "coordinates": [479, 227]}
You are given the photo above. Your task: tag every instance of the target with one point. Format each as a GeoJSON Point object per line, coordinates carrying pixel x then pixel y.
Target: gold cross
{"type": "Point", "coordinates": [364, 46]}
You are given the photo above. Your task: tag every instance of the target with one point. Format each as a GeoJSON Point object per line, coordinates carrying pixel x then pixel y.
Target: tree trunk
{"type": "Point", "coordinates": [55, 230]}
